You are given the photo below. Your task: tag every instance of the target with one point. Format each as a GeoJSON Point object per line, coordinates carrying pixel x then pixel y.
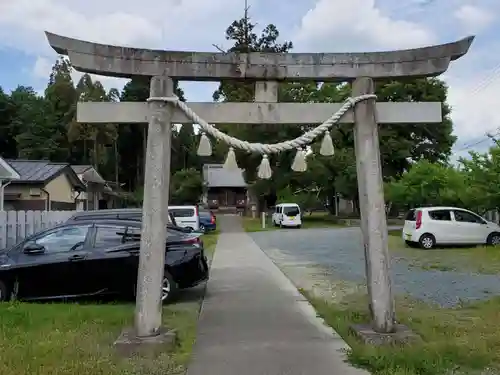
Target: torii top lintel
{"type": "Point", "coordinates": [126, 62]}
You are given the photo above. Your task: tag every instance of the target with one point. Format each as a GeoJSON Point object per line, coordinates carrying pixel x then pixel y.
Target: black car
{"type": "Point", "coordinates": [90, 258]}
{"type": "Point", "coordinates": [122, 214]}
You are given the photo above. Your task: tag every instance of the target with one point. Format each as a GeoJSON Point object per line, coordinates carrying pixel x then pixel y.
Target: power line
{"type": "Point", "coordinates": [486, 81]}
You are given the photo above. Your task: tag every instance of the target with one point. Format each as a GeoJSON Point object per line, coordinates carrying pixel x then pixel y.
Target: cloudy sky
{"type": "Point", "coordinates": [313, 26]}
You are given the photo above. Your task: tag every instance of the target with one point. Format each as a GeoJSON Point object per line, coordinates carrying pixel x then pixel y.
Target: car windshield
{"type": "Point", "coordinates": [291, 211]}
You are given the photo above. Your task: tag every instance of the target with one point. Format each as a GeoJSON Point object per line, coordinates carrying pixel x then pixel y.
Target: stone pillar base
{"type": "Point", "coordinates": [129, 345]}
{"type": "Point", "coordinates": [401, 336]}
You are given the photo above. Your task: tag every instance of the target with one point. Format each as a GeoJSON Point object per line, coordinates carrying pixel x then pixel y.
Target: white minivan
{"type": "Point", "coordinates": [186, 216]}
{"type": "Point", "coordinates": [287, 215]}
{"type": "Point", "coordinates": [427, 227]}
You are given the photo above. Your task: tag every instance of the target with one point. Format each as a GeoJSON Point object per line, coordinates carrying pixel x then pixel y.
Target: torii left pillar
{"type": "Point", "coordinates": [148, 313]}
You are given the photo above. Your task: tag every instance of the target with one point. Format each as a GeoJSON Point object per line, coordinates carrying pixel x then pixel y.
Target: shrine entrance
{"type": "Point", "coordinates": [266, 70]}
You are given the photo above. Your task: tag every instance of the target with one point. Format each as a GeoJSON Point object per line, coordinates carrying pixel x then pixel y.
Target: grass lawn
{"type": "Point", "coordinates": [481, 259]}
{"type": "Point", "coordinates": [209, 241]}
{"type": "Point", "coordinates": [71, 338]}
{"type": "Point", "coordinates": [316, 220]}
{"type": "Point", "coordinates": [464, 339]}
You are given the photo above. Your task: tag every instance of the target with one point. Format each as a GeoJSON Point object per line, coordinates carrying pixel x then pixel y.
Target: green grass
{"type": "Point", "coordinates": [316, 220]}
{"type": "Point", "coordinates": [465, 339]}
{"type": "Point", "coordinates": [77, 339]}
{"type": "Point", "coordinates": [209, 241]}
{"type": "Point", "coordinates": [63, 339]}
{"type": "Point", "coordinates": [481, 259]}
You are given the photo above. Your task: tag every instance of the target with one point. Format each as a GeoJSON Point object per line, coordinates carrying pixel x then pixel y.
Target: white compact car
{"type": "Point", "coordinates": [430, 226]}
{"type": "Point", "coordinates": [186, 216]}
{"type": "Point", "coordinates": [287, 215]}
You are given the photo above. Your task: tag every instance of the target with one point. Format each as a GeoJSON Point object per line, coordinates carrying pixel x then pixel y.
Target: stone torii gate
{"type": "Point", "coordinates": [266, 69]}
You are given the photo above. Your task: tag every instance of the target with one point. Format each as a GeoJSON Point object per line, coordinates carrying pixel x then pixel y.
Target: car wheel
{"type": "Point", "coordinates": [427, 241]}
{"type": "Point", "coordinates": [4, 292]}
{"type": "Point", "coordinates": [299, 226]}
{"type": "Point", "coordinates": [493, 239]}
{"type": "Point", "coordinates": [202, 228]}
{"type": "Point", "coordinates": [189, 229]}
{"type": "Point", "coordinates": [169, 288]}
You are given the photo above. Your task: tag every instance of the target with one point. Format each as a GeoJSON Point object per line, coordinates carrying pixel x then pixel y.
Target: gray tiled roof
{"type": "Point", "coordinates": [79, 169]}
{"type": "Point", "coordinates": [215, 175]}
{"type": "Point", "coordinates": [7, 171]}
{"type": "Point", "coordinates": [88, 173]}
{"type": "Point", "coordinates": [36, 170]}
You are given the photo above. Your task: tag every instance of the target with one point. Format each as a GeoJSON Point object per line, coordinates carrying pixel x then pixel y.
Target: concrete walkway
{"type": "Point", "coordinates": [255, 322]}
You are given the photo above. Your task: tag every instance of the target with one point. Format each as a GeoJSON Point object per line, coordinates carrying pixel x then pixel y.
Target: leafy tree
{"type": "Point", "coordinates": [429, 184]}
{"type": "Point", "coordinates": [307, 199]}
{"type": "Point", "coordinates": [38, 134]}
{"type": "Point", "coordinates": [8, 132]}
{"type": "Point", "coordinates": [400, 144]}
{"type": "Point", "coordinates": [134, 136]}
{"type": "Point", "coordinates": [482, 173]}
{"type": "Point", "coordinates": [186, 187]}
{"type": "Point", "coordinates": [246, 39]}
{"type": "Point", "coordinates": [184, 149]}
{"type": "Point", "coordinates": [62, 97]}
{"type": "Point", "coordinates": [93, 137]}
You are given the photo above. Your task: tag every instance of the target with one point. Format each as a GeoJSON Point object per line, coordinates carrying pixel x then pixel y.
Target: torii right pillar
{"type": "Point", "coordinates": [371, 193]}
{"type": "Point", "coordinates": [372, 209]}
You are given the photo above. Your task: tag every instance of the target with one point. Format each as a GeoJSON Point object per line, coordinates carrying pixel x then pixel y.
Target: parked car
{"type": "Point", "coordinates": [430, 226]}
{"type": "Point", "coordinates": [186, 216]}
{"type": "Point", "coordinates": [91, 258]}
{"type": "Point", "coordinates": [287, 215]}
{"type": "Point", "coordinates": [122, 214]}
{"type": "Point", "coordinates": [208, 221]}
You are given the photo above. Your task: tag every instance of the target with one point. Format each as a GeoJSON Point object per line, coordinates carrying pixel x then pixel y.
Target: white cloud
{"type": "Point", "coordinates": [474, 104]}
{"type": "Point", "coordinates": [334, 25]}
{"type": "Point", "coordinates": [357, 25]}
{"type": "Point", "coordinates": [43, 67]}
{"type": "Point", "coordinates": [162, 23]}
{"type": "Point", "coordinates": [474, 18]}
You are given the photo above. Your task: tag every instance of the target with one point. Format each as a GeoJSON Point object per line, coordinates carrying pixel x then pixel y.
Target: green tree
{"type": "Point", "coordinates": [184, 148]}
{"type": "Point", "coordinates": [402, 145]}
{"type": "Point", "coordinates": [429, 184]}
{"type": "Point", "coordinates": [186, 187]}
{"type": "Point", "coordinates": [482, 173]}
{"type": "Point", "coordinates": [8, 132]}
{"type": "Point", "coordinates": [134, 136]}
{"type": "Point", "coordinates": [38, 134]}
{"type": "Point", "coordinates": [95, 139]}
{"type": "Point", "coordinates": [245, 38]}
{"type": "Point", "coordinates": [62, 97]}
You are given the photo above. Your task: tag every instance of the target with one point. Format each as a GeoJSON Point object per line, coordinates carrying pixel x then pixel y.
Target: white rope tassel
{"type": "Point", "coordinates": [205, 147]}
{"type": "Point", "coordinates": [327, 145]}
{"type": "Point", "coordinates": [230, 162]}
{"type": "Point", "coordinates": [299, 162]}
{"type": "Point", "coordinates": [264, 172]}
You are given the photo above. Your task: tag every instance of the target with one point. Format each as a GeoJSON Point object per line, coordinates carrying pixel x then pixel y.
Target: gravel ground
{"type": "Point", "coordinates": [323, 258]}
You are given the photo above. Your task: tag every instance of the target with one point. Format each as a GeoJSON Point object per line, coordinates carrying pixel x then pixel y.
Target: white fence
{"type": "Point", "coordinates": [16, 225]}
